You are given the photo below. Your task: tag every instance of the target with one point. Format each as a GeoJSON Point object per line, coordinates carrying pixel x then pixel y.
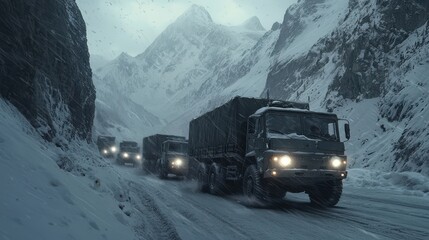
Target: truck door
{"type": "Point", "coordinates": [251, 134]}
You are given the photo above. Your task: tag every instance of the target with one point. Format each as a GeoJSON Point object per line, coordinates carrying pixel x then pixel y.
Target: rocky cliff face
{"type": "Point", "coordinates": [361, 50]}
{"type": "Point", "coordinates": [44, 66]}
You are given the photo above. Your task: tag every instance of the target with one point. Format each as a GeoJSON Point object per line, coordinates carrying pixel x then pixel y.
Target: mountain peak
{"type": "Point", "coordinates": [197, 14]}
{"type": "Point", "coordinates": [253, 23]}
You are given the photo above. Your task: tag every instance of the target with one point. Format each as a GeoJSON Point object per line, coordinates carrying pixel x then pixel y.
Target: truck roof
{"type": "Point", "coordinates": [279, 109]}
{"type": "Point", "coordinates": [176, 141]}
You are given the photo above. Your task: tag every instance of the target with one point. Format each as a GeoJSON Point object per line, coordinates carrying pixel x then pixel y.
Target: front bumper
{"type": "Point", "coordinates": [182, 170]}
{"type": "Point", "coordinates": [130, 159]}
{"type": "Point", "coordinates": [305, 173]}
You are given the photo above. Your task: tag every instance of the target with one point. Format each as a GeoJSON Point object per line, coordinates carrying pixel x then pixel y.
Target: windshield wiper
{"type": "Point", "coordinates": [320, 137]}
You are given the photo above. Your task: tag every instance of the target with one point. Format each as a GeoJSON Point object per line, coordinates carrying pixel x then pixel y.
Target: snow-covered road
{"type": "Point", "coordinates": [172, 209]}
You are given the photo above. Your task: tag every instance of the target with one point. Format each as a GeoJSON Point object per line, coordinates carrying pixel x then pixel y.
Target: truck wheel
{"type": "Point", "coordinates": [327, 195]}
{"type": "Point", "coordinates": [201, 179]}
{"type": "Point", "coordinates": [216, 186]}
{"type": "Point", "coordinates": [252, 183]}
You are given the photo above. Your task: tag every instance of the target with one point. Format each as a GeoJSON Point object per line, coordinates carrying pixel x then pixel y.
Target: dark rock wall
{"type": "Point", "coordinates": [44, 66]}
{"type": "Point", "coordinates": [361, 47]}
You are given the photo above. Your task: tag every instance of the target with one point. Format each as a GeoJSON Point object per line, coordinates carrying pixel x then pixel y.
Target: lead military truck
{"type": "Point", "coordinates": [267, 148]}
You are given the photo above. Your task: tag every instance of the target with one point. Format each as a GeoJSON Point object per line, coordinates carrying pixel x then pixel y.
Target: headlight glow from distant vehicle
{"type": "Point", "coordinates": [113, 149]}
{"type": "Point", "coordinates": [138, 157]}
{"type": "Point", "coordinates": [178, 162]}
{"type": "Point", "coordinates": [283, 161]}
{"type": "Point", "coordinates": [336, 162]}
{"type": "Point", "coordinates": [105, 151]}
{"type": "Point", "coordinates": [125, 155]}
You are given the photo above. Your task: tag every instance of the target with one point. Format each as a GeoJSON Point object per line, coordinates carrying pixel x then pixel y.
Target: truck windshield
{"type": "Point", "coordinates": [283, 124]}
{"type": "Point", "coordinates": [178, 147]}
{"type": "Point", "coordinates": [129, 147]}
{"type": "Point", "coordinates": [321, 128]}
{"type": "Point", "coordinates": [314, 127]}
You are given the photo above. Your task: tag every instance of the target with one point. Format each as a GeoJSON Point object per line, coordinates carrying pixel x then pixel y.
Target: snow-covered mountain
{"type": "Point", "coordinates": [190, 51]}
{"type": "Point", "coordinates": [365, 60]}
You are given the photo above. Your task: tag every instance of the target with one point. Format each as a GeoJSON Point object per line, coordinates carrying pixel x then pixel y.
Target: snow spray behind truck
{"type": "Point", "coordinates": [267, 148]}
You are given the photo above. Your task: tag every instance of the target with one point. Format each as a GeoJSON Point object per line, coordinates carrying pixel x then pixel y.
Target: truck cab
{"type": "Point", "coordinates": [297, 150]}
{"type": "Point", "coordinates": [174, 158]}
{"type": "Point", "coordinates": [129, 152]}
{"type": "Point", "coordinates": [106, 146]}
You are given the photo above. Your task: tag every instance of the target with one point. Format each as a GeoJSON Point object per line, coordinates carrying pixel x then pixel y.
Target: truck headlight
{"type": "Point", "coordinates": [336, 162]}
{"type": "Point", "coordinates": [113, 149]}
{"type": "Point", "coordinates": [138, 157]}
{"type": "Point", "coordinates": [105, 151]}
{"type": "Point", "coordinates": [283, 161]}
{"type": "Point", "coordinates": [178, 162]}
{"type": "Point", "coordinates": [125, 155]}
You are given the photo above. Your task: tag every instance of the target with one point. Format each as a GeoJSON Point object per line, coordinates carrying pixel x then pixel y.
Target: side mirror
{"type": "Point", "coordinates": [347, 130]}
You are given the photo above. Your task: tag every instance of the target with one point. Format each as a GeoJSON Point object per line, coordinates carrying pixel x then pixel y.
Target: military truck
{"type": "Point", "coordinates": [164, 154]}
{"type": "Point", "coordinates": [129, 152]}
{"type": "Point", "coordinates": [266, 148]}
{"type": "Point", "coordinates": [174, 158]}
{"type": "Point", "coordinates": [106, 146]}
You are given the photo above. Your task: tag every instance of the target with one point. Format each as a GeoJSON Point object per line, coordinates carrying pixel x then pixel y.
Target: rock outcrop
{"type": "Point", "coordinates": [44, 66]}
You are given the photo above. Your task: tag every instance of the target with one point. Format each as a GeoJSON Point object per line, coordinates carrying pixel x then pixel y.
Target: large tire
{"type": "Point", "coordinates": [252, 184]}
{"type": "Point", "coordinates": [202, 179]}
{"type": "Point", "coordinates": [327, 194]}
{"type": "Point", "coordinates": [216, 182]}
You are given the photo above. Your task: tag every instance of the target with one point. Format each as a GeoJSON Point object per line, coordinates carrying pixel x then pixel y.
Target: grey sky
{"type": "Point", "coordinates": [116, 26]}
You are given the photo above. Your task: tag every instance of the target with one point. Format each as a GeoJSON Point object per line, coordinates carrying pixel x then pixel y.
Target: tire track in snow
{"type": "Point", "coordinates": [188, 208]}
{"type": "Point", "coordinates": [159, 226]}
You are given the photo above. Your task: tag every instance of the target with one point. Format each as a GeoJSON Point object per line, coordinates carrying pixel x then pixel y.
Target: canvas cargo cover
{"type": "Point", "coordinates": [152, 145]}
{"type": "Point", "coordinates": [226, 125]}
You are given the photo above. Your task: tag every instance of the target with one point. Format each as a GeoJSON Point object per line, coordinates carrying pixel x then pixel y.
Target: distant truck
{"type": "Point", "coordinates": [267, 148]}
{"type": "Point", "coordinates": [129, 152]}
{"type": "Point", "coordinates": [165, 154]}
{"type": "Point", "coordinates": [106, 146]}
{"type": "Point", "coordinates": [174, 158]}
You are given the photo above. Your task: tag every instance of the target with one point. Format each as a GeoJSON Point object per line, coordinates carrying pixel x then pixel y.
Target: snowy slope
{"type": "Point", "coordinates": [41, 201]}
{"type": "Point", "coordinates": [117, 115]}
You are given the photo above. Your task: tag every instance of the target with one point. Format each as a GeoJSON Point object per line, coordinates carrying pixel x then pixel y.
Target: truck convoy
{"type": "Point", "coordinates": [129, 152]}
{"type": "Point", "coordinates": [267, 148]}
{"type": "Point", "coordinates": [106, 146]}
{"type": "Point", "coordinates": [165, 154]}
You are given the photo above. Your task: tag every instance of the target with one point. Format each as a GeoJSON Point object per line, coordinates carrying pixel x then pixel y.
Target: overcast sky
{"type": "Point", "coordinates": [116, 26]}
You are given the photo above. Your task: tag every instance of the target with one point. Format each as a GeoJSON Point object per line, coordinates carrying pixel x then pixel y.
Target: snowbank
{"type": "Point", "coordinates": [409, 183]}
{"type": "Point", "coordinates": [86, 199]}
